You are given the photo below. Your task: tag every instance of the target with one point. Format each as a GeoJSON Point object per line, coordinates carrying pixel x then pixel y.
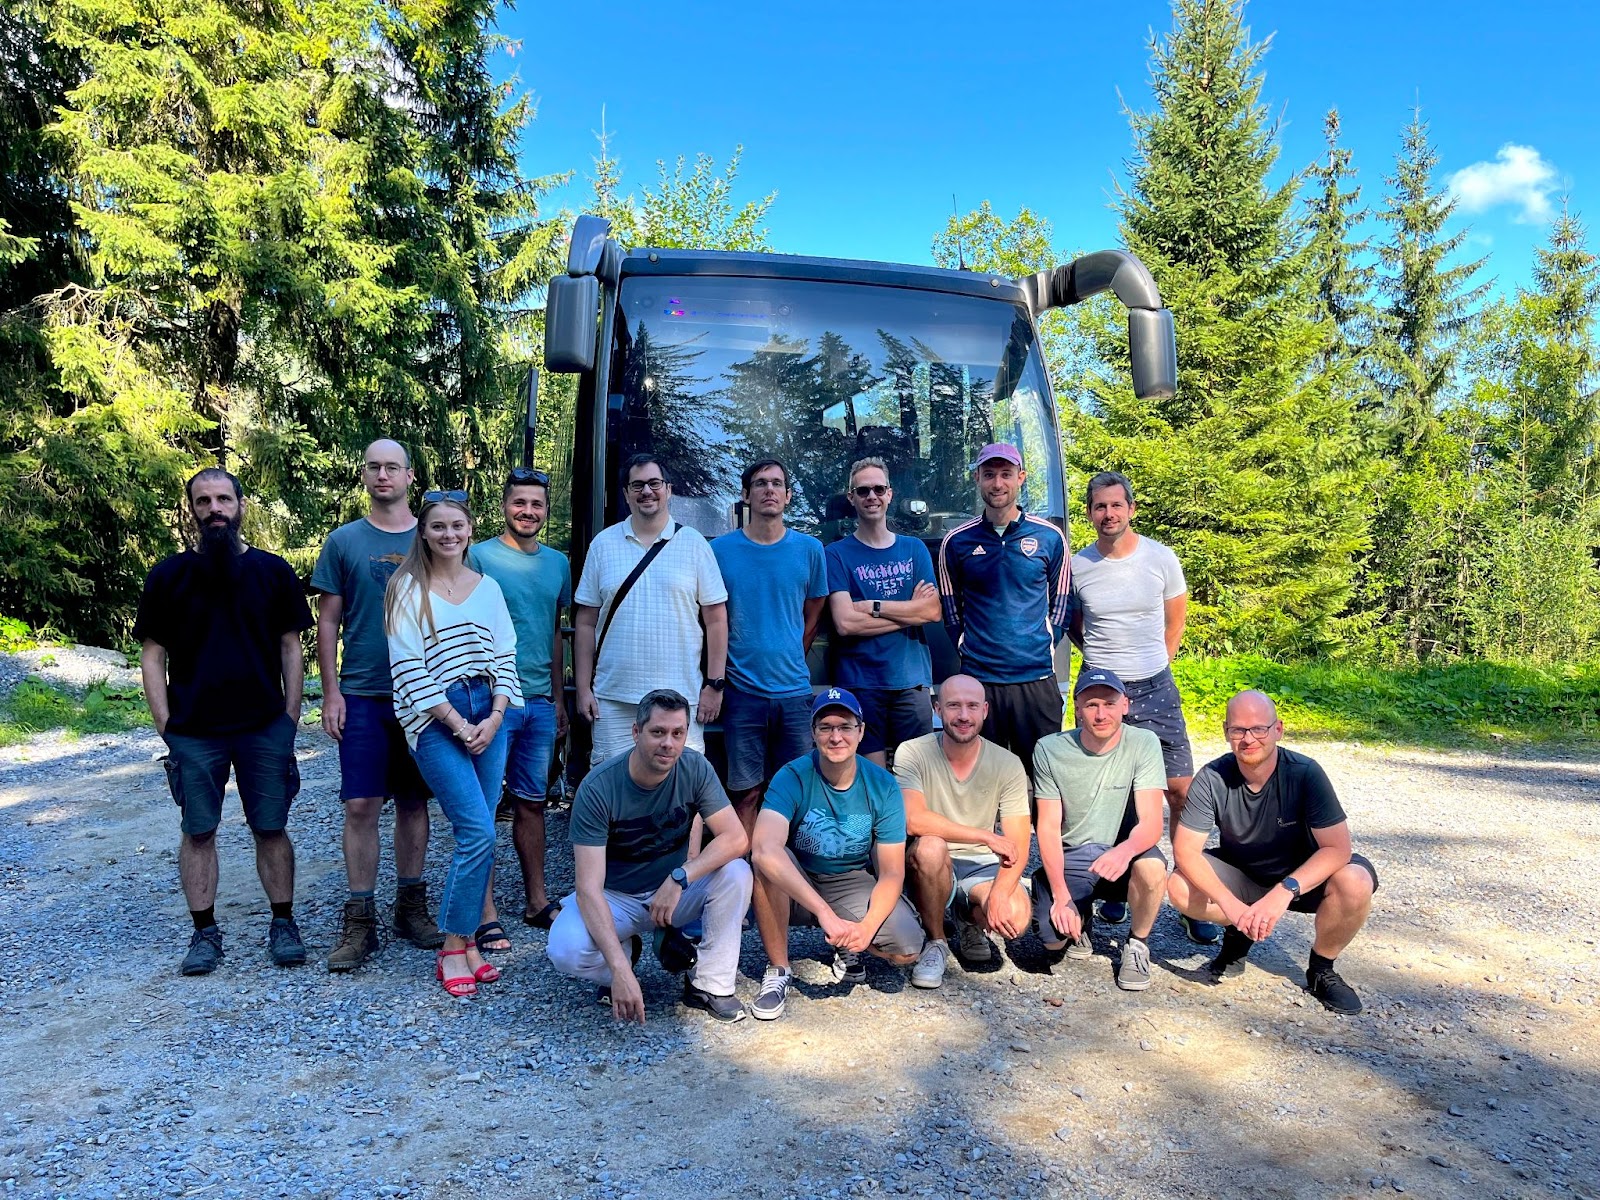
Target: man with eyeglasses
{"type": "Point", "coordinates": [351, 575]}
{"type": "Point", "coordinates": [1003, 582]}
{"type": "Point", "coordinates": [880, 595]}
{"type": "Point", "coordinates": [830, 851]}
{"type": "Point", "coordinates": [652, 639]}
{"type": "Point", "coordinates": [1285, 845]}
{"type": "Point", "coordinates": [777, 580]}
{"type": "Point", "coordinates": [537, 582]}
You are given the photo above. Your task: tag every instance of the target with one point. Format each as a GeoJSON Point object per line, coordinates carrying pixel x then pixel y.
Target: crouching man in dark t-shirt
{"type": "Point", "coordinates": [1285, 845]}
{"type": "Point", "coordinates": [630, 849]}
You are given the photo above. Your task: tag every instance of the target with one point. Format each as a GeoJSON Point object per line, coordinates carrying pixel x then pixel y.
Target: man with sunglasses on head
{"type": "Point", "coordinates": [880, 595]}
{"type": "Point", "coordinates": [537, 582]}
{"type": "Point", "coordinates": [651, 638]}
{"type": "Point", "coordinates": [1285, 845]}
{"type": "Point", "coordinates": [777, 580]}
{"type": "Point", "coordinates": [830, 851]}
{"type": "Point", "coordinates": [352, 574]}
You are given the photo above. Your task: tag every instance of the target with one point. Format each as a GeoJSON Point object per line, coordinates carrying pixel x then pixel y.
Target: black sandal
{"type": "Point", "coordinates": [492, 931]}
{"type": "Point", "coordinates": [544, 918]}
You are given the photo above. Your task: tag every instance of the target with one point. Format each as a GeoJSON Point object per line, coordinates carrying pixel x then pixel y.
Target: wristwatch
{"type": "Point", "coordinates": [877, 608]}
{"type": "Point", "coordinates": [716, 685]}
{"type": "Point", "coordinates": [680, 877]}
{"type": "Point", "coordinates": [1291, 885]}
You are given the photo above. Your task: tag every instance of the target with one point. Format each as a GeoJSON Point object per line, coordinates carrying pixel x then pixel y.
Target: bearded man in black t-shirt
{"type": "Point", "coordinates": [1285, 845]}
{"type": "Point", "coordinates": [220, 627]}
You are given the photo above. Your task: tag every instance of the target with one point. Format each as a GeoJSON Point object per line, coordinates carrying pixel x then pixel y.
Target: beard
{"type": "Point", "coordinates": [219, 549]}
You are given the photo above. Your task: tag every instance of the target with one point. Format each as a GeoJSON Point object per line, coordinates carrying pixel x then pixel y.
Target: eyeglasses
{"type": "Point", "coordinates": [521, 475]}
{"type": "Point", "coordinates": [455, 496]}
{"type": "Point", "coordinates": [828, 731]}
{"type": "Point", "coordinates": [1237, 733]}
{"type": "Point", "coordinates": [384, 468]}
{"type": "Point", "coordinates": [871, 489]}
{"type": "Point", "coordinates": [640, 486]}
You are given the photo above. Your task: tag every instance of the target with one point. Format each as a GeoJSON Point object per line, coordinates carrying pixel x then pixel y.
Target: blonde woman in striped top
{"type": "Point", "coordinates": [453, 652]}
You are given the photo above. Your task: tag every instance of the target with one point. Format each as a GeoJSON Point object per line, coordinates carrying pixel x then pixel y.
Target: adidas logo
{"type": "Point", "coordinates": [977, 550]}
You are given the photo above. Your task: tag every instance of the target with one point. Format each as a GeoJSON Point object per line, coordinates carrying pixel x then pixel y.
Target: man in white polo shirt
{"type": "Point", "coordinates": [649, 638]}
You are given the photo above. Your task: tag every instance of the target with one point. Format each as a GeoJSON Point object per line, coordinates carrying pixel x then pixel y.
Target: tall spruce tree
{"type": "Point", "coordinates": [1254, 471]}
{"type": "Point", "coordinates": [1344, 278]}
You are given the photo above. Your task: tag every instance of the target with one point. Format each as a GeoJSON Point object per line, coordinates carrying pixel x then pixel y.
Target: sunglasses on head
{"type": "Point", "coordinates": [529, 475]}
{"type": "Point", "coordinates": [871, 489]}
{"type": "Point", "coordinates": [454, 495]}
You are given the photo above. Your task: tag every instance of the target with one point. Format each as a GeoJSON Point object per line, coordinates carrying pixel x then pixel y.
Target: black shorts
{"type": "Point", "coordinates": [263, 765]}
{"type": "Point", "coordinates": [1250, 888]}
{"type": "Point", "coordinates": [1022, 713]}
{"type": "Point", "coordinates": [1155, 704]}
{"type": "Point", "coordinates": [893, 716]}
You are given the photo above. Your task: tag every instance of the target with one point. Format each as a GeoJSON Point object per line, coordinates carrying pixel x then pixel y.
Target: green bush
{"type": "Point", "coordinates": [35, 707]}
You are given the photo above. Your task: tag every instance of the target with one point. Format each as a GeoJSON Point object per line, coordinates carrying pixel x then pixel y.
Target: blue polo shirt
{"type": "Point", "coordinates": [1005, 597]}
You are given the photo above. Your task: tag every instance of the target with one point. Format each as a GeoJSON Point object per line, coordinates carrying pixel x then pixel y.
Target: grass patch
{"type": "Point", "coordinates": [35, 707]}
{"type": "Point", "coordinates": [1455, 704]}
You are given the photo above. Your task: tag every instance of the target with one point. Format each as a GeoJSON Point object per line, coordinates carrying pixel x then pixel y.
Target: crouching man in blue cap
{"type": "Point", "coordinates": [830, 851]}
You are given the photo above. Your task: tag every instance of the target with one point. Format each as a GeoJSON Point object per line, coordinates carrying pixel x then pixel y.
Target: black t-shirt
{"type": "Point", "coordinates": [1266, 834]}
{"type": "Point", "coordinates": [222, 636]}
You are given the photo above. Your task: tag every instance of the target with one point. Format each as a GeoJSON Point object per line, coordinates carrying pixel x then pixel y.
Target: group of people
{"type": "Point", "coordinates": [848, 809]}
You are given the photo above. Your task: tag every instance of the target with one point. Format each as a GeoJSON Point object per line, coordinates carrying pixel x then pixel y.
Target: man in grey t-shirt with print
{"type": "Point", "coordinates": [630, 842]}
{"type": "Point", "coordinates": [1099, 795]}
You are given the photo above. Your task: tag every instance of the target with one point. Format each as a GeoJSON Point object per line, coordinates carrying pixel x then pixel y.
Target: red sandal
{"type": "Point", "coordinates": [488, 973]}
{"type": "Point", "coordinates": [456, 985]}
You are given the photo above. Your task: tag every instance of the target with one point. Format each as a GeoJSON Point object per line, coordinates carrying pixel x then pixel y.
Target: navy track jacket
{"type": "Point", "coordinates": [1005, 597]}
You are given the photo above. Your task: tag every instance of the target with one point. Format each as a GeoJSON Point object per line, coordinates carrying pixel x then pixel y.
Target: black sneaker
{"type": "Point", "coordinates": [205, 952]}
{"type": "Point", "coordinates": [674, 951]}
{"type": "Point", "coordinates": [602, 995]}
{"type": "Point", "coordinates": [1229, 962]}
{"type": "Point", "coordinates": [1336, 995]}
{"type": "Point", "coordinates": [727, 1009]}
{"type": "Point", "coordinates": [284, 943]}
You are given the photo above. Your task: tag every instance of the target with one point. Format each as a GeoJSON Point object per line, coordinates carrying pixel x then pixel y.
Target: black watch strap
{"type": "Point", "coordinates": [716, 685]}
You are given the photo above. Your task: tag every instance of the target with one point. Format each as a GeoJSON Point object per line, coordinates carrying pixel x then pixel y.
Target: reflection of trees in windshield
{"type": "Point", "coordinates": [669, 411]}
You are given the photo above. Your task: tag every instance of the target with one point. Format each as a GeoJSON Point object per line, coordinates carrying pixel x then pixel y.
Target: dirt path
{"type": "Point", "coordinates": [1475, 1071]}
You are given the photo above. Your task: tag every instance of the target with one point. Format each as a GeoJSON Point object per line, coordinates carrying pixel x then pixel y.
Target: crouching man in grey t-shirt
{"type": "Point", "coordinates": [630, 841]}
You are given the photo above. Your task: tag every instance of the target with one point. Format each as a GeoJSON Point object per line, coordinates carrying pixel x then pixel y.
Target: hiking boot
{"type": "Point", "coordinates": [205, 952]}
{"type": "Point", "coordinates": [847, 967]}
{"type": "Point", "coordinates": [774, 992]}
{"type": "Point", "coordinates": [973, 943]}
{"type": "Point", "coordinates": [1229, 962]}
{"type": "Point", "coordinates": [1112, 912]}
{"type": "Point", "coordinates": [1336, 995]}
{"type": "Point", "coordinates": [284, 943]}
{"type": "Point", "coordinates": [359, 938]}
{"type": "Point", "coordinates": [1203, 933]}
{"type": "Point", "coordinates": [929, 971]}
{"type": "Point", "coordinates": [411, 919]}
{"type": "Point", "coordinates": [1133, 972]}
{"type": "Point", "coordinates": [726, 1009]}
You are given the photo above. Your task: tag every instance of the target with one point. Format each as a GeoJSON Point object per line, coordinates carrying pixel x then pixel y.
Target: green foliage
{"type": "Point", "coordinates": [693, 211]}
{"type": "Point", "coordinates": [34, 707]}
{"type": "Point", "coordinates": [15, 635]}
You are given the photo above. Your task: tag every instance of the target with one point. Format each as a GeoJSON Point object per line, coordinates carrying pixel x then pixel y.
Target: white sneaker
{"type": "Point", "coordinates": [974, 943]}
{"type": "Point", "coordinates": [929, 971]}
{"type": "Point", "coordinates": [769, 1001]}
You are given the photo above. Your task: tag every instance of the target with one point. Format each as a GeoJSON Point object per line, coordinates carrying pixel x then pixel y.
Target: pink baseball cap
{"type": "Point", "coordinates": [998, 450]}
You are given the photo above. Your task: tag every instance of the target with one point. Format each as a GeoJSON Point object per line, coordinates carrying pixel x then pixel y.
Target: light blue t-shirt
{"type": "Point", "coordinates": [537, 586]}
{"type": "Point", "coordinates": [894, 660]}
{"type": "Point", "coordinates": [832, 832]}
{"type": "Point", "coordinates": [768, 587]}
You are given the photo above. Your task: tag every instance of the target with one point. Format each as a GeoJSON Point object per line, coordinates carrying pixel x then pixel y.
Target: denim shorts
{"type": "Point", "coordinates": [1083, 885]}
{"type": "Point", "coordinates": [761, 733]}
{"type": "Point", "coordinates": [373, 757]}
{"type": "Point", "coordinates": [531, 731]}
{"type": "Point", "coordinates": [263, 765]}
{"type": "Point", "coordinates": [892, 716]}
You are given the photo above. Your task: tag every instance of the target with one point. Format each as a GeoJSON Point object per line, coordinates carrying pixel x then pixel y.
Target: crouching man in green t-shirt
{"type": "Point", "coordinates": [1099, 789]}
{"type": "Point", "coordinates": [830, 850]}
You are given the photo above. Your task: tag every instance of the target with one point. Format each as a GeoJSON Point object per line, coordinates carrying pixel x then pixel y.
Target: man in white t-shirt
{"type": "Point", "coordinates": [653, 638]}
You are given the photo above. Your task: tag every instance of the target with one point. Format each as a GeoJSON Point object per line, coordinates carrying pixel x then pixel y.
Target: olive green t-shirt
{"type": "Point", "coordinates": [1095, 789]}
{"type": "Point", "coordinates": [997, 787]}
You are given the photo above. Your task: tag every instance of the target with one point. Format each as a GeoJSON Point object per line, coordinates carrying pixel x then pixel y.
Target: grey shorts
{"type": "Point", "coordinates": [849, 894]}
{"type": "Point", "coordinates": [1155, 704]}
{"type": "Point", "coordinates": [1083, 885]}
{"type": "Point", "coordinates": [1250, 888]}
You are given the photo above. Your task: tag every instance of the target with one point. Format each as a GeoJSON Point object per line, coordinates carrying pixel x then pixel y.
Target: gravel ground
{"type": "Point", "coordinates": [1474, 1070]}
{"type": "Point", "coordinates": [75, 668]}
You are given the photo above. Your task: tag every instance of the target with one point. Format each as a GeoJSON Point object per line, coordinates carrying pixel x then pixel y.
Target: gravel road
{"type": "Point", "coordinates": [1475, 1069]}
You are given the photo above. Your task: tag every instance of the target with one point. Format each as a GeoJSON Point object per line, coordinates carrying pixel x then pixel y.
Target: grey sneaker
{"type": "Point", "coordinates": [973, 943]}
{"type": "Point", "coordinates": [848, 967]}
{"type": "Point", "coordinates": [929, 970]}
{"type": "Point", "coordinates": [205, 952]}
{"type": "Point", "coordinates": [1082, 946]}
{"type": "Point", "coordinates": [1133, 972]}
{"type": "Point", "coordinates": [774, 993]}
{"type": "Point", "coordinates": [726, 1009]}
{"type": "Point", "coordinates": [284, 943]}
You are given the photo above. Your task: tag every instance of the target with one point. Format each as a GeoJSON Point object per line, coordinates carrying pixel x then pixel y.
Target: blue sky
{"type": "Point", "coordinates": [865, 117]}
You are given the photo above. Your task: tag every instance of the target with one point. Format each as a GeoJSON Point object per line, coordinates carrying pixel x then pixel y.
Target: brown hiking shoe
{"type": "Point", "coordinates": [411, 919]}
{"type": "Point", "coordinates": [360, 935]}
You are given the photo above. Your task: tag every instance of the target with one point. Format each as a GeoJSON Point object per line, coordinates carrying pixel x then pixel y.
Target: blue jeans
{"type": "Point", "coordinates": [467, 787]}
{"type": "Point", "coordinates": [531, 732]}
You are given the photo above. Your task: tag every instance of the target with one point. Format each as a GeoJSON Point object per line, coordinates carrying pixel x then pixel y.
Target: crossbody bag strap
{"type": "Point", "coordinates": [656, 548]}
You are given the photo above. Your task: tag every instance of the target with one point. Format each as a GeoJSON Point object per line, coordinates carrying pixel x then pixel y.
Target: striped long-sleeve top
{"type": "Point", "coordinates": [472, 639]}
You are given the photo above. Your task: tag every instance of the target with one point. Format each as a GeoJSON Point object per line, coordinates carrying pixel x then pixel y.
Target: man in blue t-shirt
{"type": "Point", "coordinates": [537, 582]}
{"type": "Point", "coordinates": [880, 595]}
{"type": "Point", "coordinates": [777, 580]}
{"type": "Point", "coordinates": [830, 850]}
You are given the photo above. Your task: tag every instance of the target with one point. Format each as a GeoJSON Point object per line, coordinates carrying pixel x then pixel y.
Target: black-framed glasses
{"type": "Point", "coordinates": [454, 495]}
{"type": "Point", "coordinates": [871, 489]}
{"type": "Point", "coordinates": [640, 486]}
{"type": "Point", "coordinates": [521, 475]}
{"type": "Point", "coordinates": [1237, 733]}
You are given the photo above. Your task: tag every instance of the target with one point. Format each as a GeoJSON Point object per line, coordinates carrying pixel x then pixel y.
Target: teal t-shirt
{"type": "Point", "coordinates": [536, 586]}
{"type": "Point", "coordinates": [355, 565]}
{"type": "Point", "coordinates": [830, 831]}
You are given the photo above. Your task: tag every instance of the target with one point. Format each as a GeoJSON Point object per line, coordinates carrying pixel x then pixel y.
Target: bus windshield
{"type": "Point", "coordinates": [712, 373]}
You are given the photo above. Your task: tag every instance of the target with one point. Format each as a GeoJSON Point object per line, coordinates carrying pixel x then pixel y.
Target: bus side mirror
{"type": "Point", "coordinates": [572, 305]}
{"type": "Point", "coordinates": [1152, 353]}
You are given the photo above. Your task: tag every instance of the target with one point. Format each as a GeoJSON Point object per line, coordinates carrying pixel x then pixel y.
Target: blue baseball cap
{"type": "Point", "coordinates": [836, 697]}
{"type": "Point", "coordinates": [1089, 677]}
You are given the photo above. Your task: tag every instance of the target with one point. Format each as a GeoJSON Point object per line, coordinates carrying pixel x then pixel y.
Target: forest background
{"type": "Point", "coordinates": [262, 232]}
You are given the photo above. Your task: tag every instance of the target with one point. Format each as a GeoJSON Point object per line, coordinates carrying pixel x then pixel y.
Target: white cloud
{"type": "Point", "coordinates": [1518, 176]}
